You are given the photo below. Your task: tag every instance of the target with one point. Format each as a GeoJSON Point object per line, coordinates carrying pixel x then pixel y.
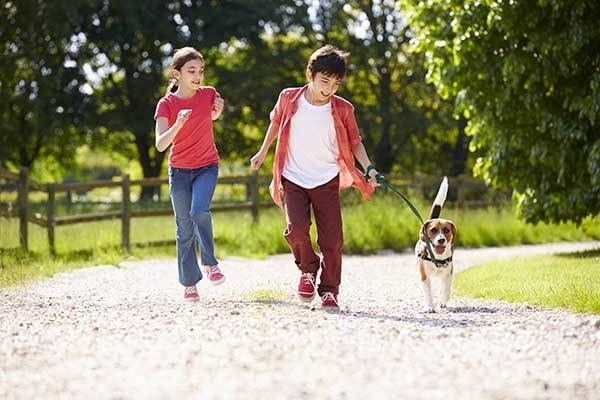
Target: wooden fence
{"type": "Point", "coordinates": [25, 185]}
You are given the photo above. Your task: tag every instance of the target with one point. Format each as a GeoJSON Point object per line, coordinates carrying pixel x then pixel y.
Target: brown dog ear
{"type": "Point", "coordinates": [424, 229]}
{"type": "Point", "coordinates": [453, 229]}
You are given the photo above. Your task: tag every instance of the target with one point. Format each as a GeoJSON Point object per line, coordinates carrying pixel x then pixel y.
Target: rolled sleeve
{"type": "Point", "coordinates": [277, 111]}
{"type": "Point", "coordinates": [352, 127]}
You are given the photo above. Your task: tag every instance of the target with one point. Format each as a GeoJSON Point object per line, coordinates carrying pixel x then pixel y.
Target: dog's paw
{"type": "Point", "coordinates": [428, 310]}
{"type": "Point", "coordinates": [443, 305]}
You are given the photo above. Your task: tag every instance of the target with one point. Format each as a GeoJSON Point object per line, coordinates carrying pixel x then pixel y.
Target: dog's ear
{"type": "Point", "coordinates": [424, 229]}
{"type": "Point", "coordinates": [453, 229]}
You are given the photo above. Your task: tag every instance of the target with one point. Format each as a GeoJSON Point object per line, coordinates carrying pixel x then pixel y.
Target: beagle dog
{"type": "Point", "coordinates": [441, 234]}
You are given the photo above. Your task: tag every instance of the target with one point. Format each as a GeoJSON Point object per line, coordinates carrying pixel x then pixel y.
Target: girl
{"type": "Point", "coordinates": [184, 118]}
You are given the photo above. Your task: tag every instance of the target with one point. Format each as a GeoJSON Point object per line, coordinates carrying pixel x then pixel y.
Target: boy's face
{"type": "Point", "coordinates": [191, 74]}
{"type": "Point", "coordinates": [323, 86]}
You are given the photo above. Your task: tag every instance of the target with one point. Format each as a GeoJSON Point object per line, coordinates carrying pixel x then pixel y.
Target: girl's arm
{"type": "Point", "coordinates": [164, 134]}
{"type": "Point", "coordinates": [217, 107]}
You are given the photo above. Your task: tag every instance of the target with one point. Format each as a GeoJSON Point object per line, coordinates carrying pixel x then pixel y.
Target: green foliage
{"type": "Point", "coordinates": [404, 122]}
{"type": "Point", "coordinates": [132, 43]}
{"type": "Point", "coordinates": [527, 74]}
{"type": "Point", "coordinates": [570, 280]}
{"type": "Point", "coordinates": [42, 85]}
{"type": "Point", "coordinates": [390, 226]}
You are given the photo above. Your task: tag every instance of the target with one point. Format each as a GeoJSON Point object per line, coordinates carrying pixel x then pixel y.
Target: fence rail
{"type": "Point", "coordinates": [24, 185]}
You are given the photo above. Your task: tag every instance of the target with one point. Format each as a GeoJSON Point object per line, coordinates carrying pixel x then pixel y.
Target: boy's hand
{"type": "Point", "coordinates": [182, 116]}
{"type": "Point", "coordinates": [257, 160]}
{"type": "Point", "coordinates": [218, 105]}
{"type": "Point", "coordinates": [373, 177]}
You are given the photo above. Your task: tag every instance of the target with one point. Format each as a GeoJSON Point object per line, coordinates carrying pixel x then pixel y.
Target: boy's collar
{"type": "Point", "coordinates": [298, 93]}
{"type": "Point", "coordinates": [302, 90]}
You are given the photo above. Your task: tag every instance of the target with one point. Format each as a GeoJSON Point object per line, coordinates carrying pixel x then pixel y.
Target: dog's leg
{"type": "Point", "coordinates": [446, 289]}
{"type": "Point", "coordinates": [428, 297]}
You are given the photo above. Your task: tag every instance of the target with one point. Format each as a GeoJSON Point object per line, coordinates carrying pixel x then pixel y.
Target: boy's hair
{"type": "Point", "coordinates": [328, 60]}
{"type": "Point", "coordinates": [180, 57]}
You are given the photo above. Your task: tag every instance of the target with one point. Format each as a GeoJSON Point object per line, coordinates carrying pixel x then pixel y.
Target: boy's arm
{"type": "Point", "coordinates": [360, 153]}
{"type": "Point", "coordinates": [358, 149]}
{"type": "Point", "coordinates": [257, 160]}
{"type": "Point", "coordinates": [275, 116]}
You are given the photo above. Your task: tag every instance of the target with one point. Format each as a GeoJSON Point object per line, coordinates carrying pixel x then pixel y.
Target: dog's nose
{"type": "Point", "coordinates": [442, 240]}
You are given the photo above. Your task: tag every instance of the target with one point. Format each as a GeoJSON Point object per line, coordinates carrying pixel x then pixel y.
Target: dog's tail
{"type": "Point", "coordinates": [440, 198]}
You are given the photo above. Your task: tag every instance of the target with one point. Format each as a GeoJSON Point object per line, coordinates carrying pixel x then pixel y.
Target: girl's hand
{"type": "Point", "coordinates": [182, 116]}
{"type": "Point", "coordinates": [373, 178]}
{"type": "Point", "coordinates": [257, 160]}
{"type": "Point", "coordinates": [218, 105]}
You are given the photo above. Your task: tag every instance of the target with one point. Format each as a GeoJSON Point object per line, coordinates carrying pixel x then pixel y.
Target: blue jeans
{"type": "Point", "coordinates": [191, 193]}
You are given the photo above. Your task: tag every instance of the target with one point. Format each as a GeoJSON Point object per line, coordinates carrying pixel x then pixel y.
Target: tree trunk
{"type": "Point", "coordinates": [151, 166]}
{"type": "Point", "coordinates": [461, 149]}
{"type": "Point", "coordinates": [383, 152]}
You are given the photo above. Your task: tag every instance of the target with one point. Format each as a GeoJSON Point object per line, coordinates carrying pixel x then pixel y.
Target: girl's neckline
{"type": "Point", "coordinates": [185, 98]}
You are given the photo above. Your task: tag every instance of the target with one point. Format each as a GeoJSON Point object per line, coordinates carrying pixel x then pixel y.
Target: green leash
{"type": "Point", "coordinates": [381, 180]}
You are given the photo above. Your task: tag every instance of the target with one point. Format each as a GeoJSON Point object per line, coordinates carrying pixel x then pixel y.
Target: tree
{"type": "Point", "coordinates": [527, 76]}
{"type": "Point", "coordinates": [133, 42]}
{"type": "Point", "coordinates": [403, 119]}
{"type": "Point", "coordinates": [42, 90]}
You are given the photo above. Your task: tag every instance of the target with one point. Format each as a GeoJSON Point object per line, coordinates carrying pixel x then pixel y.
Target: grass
{"type": "Point", "coordinates": [267, 296]}
{"type": "Point", "coordinates": [384, 223]}
{"type": "Point", "coordinates": [568, 280]}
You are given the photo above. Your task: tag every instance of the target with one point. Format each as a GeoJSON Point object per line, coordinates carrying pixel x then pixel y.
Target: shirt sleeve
{"type": "Point", "coordinates": [277, 111]}
{"type": "Point", "coordinates": [162, 109]}
{"type": "Point", "coordinates": [352, 128]}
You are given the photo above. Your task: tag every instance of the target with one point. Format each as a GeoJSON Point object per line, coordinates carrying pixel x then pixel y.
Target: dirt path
{"type": "Point", "coordinates": [124, 333]}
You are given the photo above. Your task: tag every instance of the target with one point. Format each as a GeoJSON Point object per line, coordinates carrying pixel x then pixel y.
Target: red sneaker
{"type": "Point", "coordinates": [306, 288]}
{"type": "Point", "coordinates": [190, 294]}
{"type": "Point", "coordinates": [329, 301]}
{"type": "Point", "coordinates": [215, 276]}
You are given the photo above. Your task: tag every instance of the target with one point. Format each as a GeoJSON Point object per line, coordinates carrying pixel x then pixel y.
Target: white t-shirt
{"type": "Point", "coordinates": [312, 148]}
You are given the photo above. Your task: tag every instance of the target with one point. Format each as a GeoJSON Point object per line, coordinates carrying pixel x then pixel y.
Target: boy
{"type": "Point", "coordinates": [317, 143]}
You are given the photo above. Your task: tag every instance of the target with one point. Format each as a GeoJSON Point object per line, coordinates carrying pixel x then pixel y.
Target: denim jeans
{"type": "Point", "coordinates": [191, 193]}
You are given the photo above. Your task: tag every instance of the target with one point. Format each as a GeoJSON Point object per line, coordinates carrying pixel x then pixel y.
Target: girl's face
{"type": "Point", "coordinates": [191, 75]}
{"type": "Point", "coordinates": [323, 86]}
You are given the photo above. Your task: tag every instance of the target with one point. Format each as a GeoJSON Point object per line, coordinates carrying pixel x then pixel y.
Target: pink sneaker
{"type": "Point", "coordinates": [306, 288]}
{"type": "Point", "coordinates": [190, 294]}
{"type": "Point", "coordinates": [329, 301]}
{"type": "Point", "coordinates": [215, 276]}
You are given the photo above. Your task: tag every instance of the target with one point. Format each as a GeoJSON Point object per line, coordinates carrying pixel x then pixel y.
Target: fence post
{"type": "Point", "coordinates": [50, 218]}
{"type": "Point", "coordinates": [23, 207]}
{"type": "Point", "coordinates": [253, 181]}
{"type": "Point", "coordinates": [125, 211]}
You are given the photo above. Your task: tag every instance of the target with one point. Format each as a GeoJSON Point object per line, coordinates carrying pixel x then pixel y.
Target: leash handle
{"type": "Point", "coordinates": [379, 178]}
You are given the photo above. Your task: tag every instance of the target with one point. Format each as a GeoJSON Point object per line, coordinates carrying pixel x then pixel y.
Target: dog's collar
{"type": "Point", "coordinates": [438, 263]}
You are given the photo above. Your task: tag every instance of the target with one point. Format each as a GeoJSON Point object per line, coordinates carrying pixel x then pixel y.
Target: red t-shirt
{"type": "Point", "coordinates": [194, 146]}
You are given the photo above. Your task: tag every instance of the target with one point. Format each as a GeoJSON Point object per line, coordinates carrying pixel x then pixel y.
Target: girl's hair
{"type": "Point", "coordinates": [180, 57]}
{"type": "Point", "coordinates": [328, 60]}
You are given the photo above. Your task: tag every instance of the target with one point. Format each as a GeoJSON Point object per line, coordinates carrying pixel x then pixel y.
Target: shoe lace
{"type": "Point", "coordinates": [214, 269]}
{"type": "Point", "coordinates": [308, 278]}
{"type": "Point", "coordinates": [329, 296]}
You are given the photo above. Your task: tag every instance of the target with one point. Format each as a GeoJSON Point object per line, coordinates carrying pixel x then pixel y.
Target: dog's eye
{"type": "Point", "coordinates": [445, 230]}
{"type": "Point", "coordinates": [434, 230]}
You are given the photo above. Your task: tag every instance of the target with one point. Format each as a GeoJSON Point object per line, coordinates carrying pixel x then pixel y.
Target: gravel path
{"type": "Point", "coordinates": [124, 333]}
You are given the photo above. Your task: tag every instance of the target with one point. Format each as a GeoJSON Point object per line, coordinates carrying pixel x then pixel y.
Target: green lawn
{"type": "Point", "coordinates": [384, 223]}
{"type": "Point", "coordinates": [569, 280]}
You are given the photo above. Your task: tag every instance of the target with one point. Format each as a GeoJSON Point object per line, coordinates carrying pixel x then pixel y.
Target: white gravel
{"type": "Point", "coordinates": [124, 333]}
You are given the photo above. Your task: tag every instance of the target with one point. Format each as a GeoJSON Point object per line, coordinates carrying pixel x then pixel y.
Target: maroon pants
{"type": "Point", "coordinates": [325, 201]}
